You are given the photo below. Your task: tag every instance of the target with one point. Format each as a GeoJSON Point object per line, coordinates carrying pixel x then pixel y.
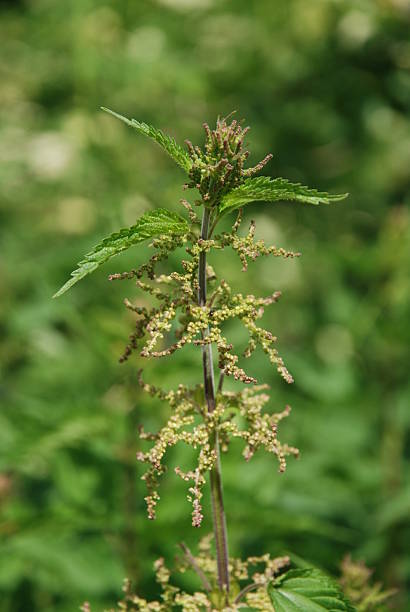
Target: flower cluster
{"type": "Point", "coordinates": [256, 572]}
{"type": "Point", "coordinates": [237, 415]}
{"type": "Point", "coordinates": [177, 294]}
{"type": "Point", "coordinates": [220, 166]}
{"type": "Point", "coordinates": [357, 583]}
{"type": "Point", "coordinates": [247, 248]}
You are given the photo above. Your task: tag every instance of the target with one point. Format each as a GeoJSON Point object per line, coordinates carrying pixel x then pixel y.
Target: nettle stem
{"type": "Point", "coordinates": [218, 512]}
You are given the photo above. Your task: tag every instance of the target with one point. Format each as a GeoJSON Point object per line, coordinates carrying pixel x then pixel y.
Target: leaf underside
{"type": "Point", "coordinates": [153, 223]}
{"type": "Point", "coordinates": [267, 189]}
{"type": "Point", "coordinates": [307, 590]}
{"type": "Point", "coordinates": [174, 150]}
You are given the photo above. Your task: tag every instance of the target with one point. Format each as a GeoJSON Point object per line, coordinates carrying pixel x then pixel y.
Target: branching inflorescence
{"type": "Point", "coordinates": [237, 415]}
{"type": "Point", "coordinates": [192, 306]}
{"type": "Point", "coordinates": [257, 572]}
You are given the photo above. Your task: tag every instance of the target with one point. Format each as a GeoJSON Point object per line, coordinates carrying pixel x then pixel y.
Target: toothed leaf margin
{"type": "Point", "coordinates": [153, 223]}
{"type": "Point", "coordinates": [174, 150]}
{"type": "Point", "coordinates": [266, 189]}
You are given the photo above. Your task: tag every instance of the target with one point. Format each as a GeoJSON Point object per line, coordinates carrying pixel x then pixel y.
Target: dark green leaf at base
{"type": "Point", "coordinates": [307, 590]}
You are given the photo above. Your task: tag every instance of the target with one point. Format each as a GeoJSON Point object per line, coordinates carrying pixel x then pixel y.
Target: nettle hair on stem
{"type": "Point", "coordinates": [191, 305]}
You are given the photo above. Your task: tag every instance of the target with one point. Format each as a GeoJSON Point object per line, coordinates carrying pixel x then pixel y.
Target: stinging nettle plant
{"type": "Point", "coordinates": [191, 306]}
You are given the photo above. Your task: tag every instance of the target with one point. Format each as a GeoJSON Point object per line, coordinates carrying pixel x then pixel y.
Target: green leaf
{"type": "Point", "coordinates": [274, 190]}
{"type": "Point", "coordinates": [153, 223]}
{"type": "Point", "coordinates": [307, 590]}
{"type": "Point", "coordinates": [178, 154]}
{"type": "Point", "coordinates": [298, 562]}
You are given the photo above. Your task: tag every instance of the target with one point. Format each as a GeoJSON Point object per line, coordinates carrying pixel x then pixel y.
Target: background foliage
{"type": "Point", "coordinates": [325, 86]}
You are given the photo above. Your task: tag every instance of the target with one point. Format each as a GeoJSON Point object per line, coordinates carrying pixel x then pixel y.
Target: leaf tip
{"type": "Point", "coordinates": [62, 290]}
{"type": "Point", "coordinates": [338, 197]}
{"type": "Point", "coordinates": [116, 115]}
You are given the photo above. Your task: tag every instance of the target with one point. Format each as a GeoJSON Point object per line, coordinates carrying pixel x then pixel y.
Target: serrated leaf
{"type": "Point", "coordinates": [307, 590]}
{"type": "Point", "coordinates": [153, 223]}
{"type": "Point", "coordinates": [264, 188]}
{"type": "Point", "coordinates": [178, 154]}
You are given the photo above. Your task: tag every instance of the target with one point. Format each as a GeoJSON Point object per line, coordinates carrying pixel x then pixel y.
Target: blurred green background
{"type": "Point", "coordinates": [325, 86]}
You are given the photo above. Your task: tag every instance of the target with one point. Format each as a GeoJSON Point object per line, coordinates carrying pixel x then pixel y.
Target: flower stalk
{"type": "Point", "coordinates": [218, 510]}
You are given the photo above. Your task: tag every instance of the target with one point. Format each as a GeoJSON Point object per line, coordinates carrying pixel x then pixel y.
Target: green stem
{"type": "Point", "coordinates": [218, 512]}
